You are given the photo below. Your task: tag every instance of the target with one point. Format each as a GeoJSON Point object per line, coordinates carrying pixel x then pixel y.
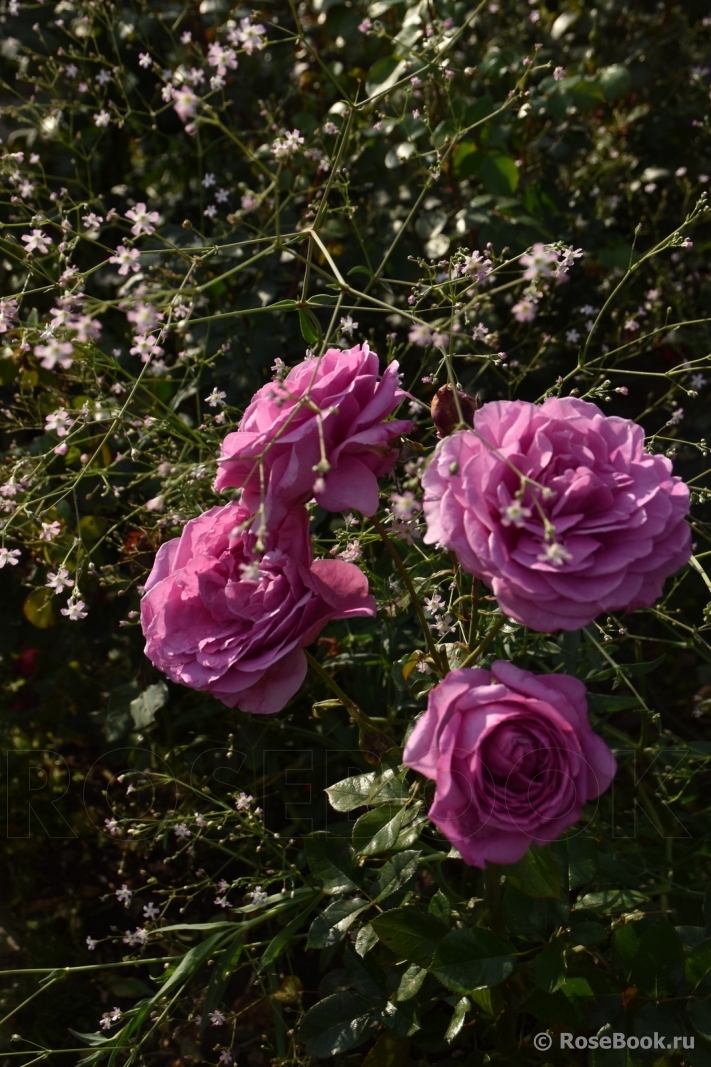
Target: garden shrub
{"type": "Point", "coordinates": [492, 217]}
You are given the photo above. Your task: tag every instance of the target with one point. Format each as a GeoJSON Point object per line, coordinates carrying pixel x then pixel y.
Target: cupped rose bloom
{"type": "Point", "coordinates": [219, 617]}
{"type": "Point", "coordinates": [321, 432]}
{"type": "Point", "coordinates": [559, 509]}
{"type": "Point", "coordinates": [513, 757]}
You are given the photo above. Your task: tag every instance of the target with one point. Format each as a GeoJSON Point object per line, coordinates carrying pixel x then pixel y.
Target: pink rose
{"type": "Point", "coordinates": [333, 409]}
{"type": "Point", "coordinates": [559, 509]}
{"type": "Point", "coordinates": [219, 617]}
{"type": "Point", "coordinates": [513, 758]}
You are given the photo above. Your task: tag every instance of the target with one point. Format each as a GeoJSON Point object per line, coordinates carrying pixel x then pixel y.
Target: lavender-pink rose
{"type": "Point", "coordinates": [220, 617]}
{"type": "Point", "coordinates": [560, 509]}
{"type": "Point", "coordinates": [322, 432]}
{"type": "Point", "coordinates": [513, 757]}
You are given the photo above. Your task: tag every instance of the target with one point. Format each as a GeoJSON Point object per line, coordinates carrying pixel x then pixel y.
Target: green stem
{"type": "Point", "coordinates": [485, 642]}
{"type": "Point", "coordinates": [368, 729]}
{"type": "Point", "coordinates": [439, 660]}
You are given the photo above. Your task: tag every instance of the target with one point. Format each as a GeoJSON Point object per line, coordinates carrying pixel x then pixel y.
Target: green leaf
{"type": "Point", "coordinates": [360, 269]}
{"type": "Point", "coordinates": [628, 668]}
{"type": "Point", "coordinates": [363, 789]}
{"type": "Point", "coordinates": [330, 862]}
{"type": "Point", "coordinates": [95, 1040]}
{"type": "Point", "coordinates": [379, 829]}
{"type": "Point", "coordinates": [365, 940]}
{"type": "Point", "coordinates": [588, 933]}
{"type": "Point", "coordinates": [310, 326]}
{"type": "Point", "coordinates": [329, 927]}
{"type": "Point", "coordinates": [549, 966]}
{"type": "Point", "coordinates": [537, 874]}
{"type": "Point", "coordinates": [479, 110]}
{"type": "Point", "coordinates": [603, 704]}
{"type": "Point", "coordinates": [611, 900]}
{"type": "Point", "coordinates": [615, 81]}
{"type": "Point", "coordinates": [498, 174]}
{"type": "Point", "coordinates": [383, 74]}
{"type": "Point", "coordinates": [411, 935]}
{"type": "Point", "coordinates": [396, 872]}
{"type": "Point", "coordinates": [367, 976]}
{"type": "Point", "coordinates": [390, 1050]}
{"type": "Point", "coordinates": [189, 964]}
{"type": "Point", "coordinates": [466, 960]}
{"type": "Point", "coordinates": [440, 907]}
{"type": "Point", "coordinates": [144, 707]}
{"type": "Point", "coordinates": [118, 720]}
{"type": "Point", "coordinates": [401, 1018]}
{"type": "Point", "coordinates": [577, 857]}
{"type": "Point", "coordinates": [92, 527]}
{"type": "Point", "coordinates": [411, 982]}
{"type": "Point", "coordinates": [698, 963]}
{"type": "Point", "coordinates": [458, 1016]}
{"type": "Point", "coordinates": [657, 967]}
{"type": "Point", "coordinates": [278, 943]}
{"type": "Point", "coordinates": [699, 1011]}
{"type": "Point", "coordinates": [221, 974]}
{"type": "Point", "coordinates": [336, 1024]}
{"type": "Point", "coordinates": [38, 608]}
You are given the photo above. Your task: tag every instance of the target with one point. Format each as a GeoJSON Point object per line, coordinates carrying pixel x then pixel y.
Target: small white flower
{"type": "Point", "coordinates": [37, 241]}
{"type": "Point", "coordinates": [127, 259]}
{"type": "Point", "coordinates": [405, 505]}
{"type": "Point", "coordinates": [151, 911]}
{"type": "Point", "coordinates": [138, 937]}
{"type": "Point", "coordinates": [9, 555]}
{"type": "Point", "coordinates": [50, 530]}
{"type": "Point", "coordinates": [74, 610]}
{"type": "Point", "coordinates": [258, 896]}
{"type": "Point", "coordinates": [444, 625]}
{"type": "Point", "coordinates": [554, 553]}
{"type": "Point", "coordinates": [90, 943]}
{"type": "Point", "coordinates": [124, 894]}
{"type": "Point", "coordinates": [515, 515]}
{"type": "Point", "coordinates": [243, 802]}
{"type": "Point", "coordinates": [351, 552]}
{"type": "Point", "coordinates": [102, 118]}
{"type": "Point", "coordinates": [182, 832]}
{"type": "Point", "coordinates": [59, 582]}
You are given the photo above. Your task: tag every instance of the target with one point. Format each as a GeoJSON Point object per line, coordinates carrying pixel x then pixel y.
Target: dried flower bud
{"type": "Point", "coordinates": [445, 413]}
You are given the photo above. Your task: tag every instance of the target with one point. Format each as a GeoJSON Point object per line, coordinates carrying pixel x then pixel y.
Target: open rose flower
{"type": "Point", "coordinates": [321, 432]}
{"type": "Point", "coordinates": [513, 757]}
{"type": "Point", "coordinates": [559, 509]}
{"type": "Point", "coordinates": [220, 617]}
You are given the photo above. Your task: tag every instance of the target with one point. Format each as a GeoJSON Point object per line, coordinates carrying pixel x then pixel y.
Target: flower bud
{"type": "Point", "coordinates": [446, 414]}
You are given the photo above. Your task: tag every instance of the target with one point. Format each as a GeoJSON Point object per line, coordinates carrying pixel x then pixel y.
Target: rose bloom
{"type": "Point", "coordinates": [220, 617]}
{"type": "Point", "coordinates": [279, 438]}
{"type": "Point", "coordinates": [513, 757]}
{"type": "Point", "coordinates": [559, 509]}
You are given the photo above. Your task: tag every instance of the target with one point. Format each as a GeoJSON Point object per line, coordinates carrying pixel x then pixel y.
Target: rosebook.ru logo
{"type": "Point", "coordinates": [655, 1041]}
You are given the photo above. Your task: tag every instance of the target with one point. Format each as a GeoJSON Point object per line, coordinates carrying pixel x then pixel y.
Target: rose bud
{"type": "Point", "coordinates": [446, 415]}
